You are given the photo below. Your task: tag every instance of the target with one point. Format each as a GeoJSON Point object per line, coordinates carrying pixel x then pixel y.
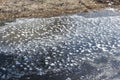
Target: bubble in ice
{"type": "Point", "coordinates": [86, 47]}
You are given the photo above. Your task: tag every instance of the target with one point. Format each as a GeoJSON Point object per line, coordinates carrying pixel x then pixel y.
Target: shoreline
{"type": "Point", "coordinates": [12, 9]}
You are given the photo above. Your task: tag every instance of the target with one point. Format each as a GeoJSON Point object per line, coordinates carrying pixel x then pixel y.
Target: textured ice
{"type": "Point", "coordinates": [86, 47]}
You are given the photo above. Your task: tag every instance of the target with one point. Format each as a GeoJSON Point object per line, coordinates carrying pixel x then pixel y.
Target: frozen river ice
{"type": "Point", "coordinates": [83, 46]}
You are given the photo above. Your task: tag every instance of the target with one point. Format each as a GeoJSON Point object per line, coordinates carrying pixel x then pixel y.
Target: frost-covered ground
{"type": "Point", "coordinates": [72, 47]}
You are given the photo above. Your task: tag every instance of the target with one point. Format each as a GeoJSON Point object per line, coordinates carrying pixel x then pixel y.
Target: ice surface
{"type": "Point", "coordinates": [88, 47]}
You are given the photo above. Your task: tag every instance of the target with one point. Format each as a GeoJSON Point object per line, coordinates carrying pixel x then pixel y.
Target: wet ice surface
{"type": "Point", "coordinates": [102, 13]}
{"type": "Point", "coordinates": [72, 47]}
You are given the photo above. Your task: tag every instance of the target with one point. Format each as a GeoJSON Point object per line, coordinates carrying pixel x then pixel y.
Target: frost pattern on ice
{"type": "Point", "coordinates": [40, 45]}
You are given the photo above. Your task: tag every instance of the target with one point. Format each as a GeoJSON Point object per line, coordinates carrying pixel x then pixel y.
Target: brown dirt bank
{"type": "Point", "coordinates": [46, 8]}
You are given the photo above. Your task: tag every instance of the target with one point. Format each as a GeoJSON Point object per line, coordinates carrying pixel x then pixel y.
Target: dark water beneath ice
{"type": "Point", "coordinates": [72, 47]}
